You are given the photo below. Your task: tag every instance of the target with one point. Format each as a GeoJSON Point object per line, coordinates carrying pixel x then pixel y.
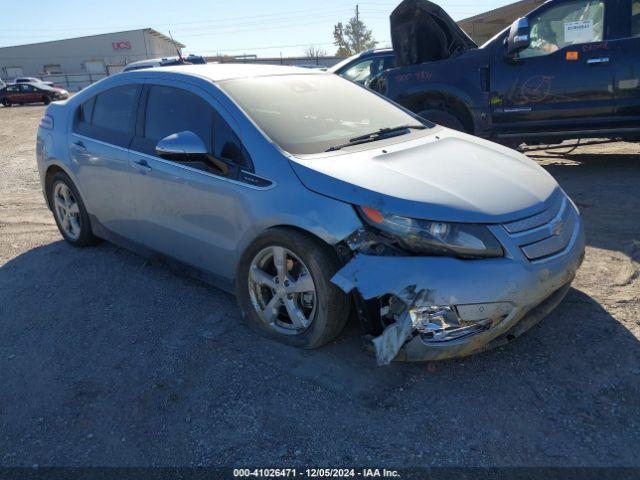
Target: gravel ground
{"type": "Point", "coordinates": [106, 359]}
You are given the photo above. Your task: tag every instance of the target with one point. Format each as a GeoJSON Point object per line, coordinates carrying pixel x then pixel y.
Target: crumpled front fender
{"type": "Point", "coordinates": [506, 287]}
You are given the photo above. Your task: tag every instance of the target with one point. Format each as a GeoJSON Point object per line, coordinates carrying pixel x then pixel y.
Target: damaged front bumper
{"type": "Point", "coordinates": [446, 307]}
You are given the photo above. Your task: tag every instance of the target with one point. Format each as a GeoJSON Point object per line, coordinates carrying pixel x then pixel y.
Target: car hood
{"type": "Point", "coordinates": [445, 175]}
{"type": "Point", "coordinates": [421, 32]}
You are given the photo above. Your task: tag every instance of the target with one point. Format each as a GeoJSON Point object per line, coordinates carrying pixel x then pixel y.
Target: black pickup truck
{"type": "Point", "coordinates": [569, 69]}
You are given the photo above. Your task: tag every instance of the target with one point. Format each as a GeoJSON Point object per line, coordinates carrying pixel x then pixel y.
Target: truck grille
{"type": "Point", "coordinates": [545, 234]}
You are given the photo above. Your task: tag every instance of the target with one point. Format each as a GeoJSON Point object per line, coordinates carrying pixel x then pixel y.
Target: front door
{"type": "Point", "coordinates": [563, 80]}
{"type": "Point", "coordinates": [102, 130]}
{"type": "Point", "coordinates": [187, 209]}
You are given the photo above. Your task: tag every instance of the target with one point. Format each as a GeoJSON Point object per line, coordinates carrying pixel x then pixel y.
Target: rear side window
{"type": "Point", "coordinates": [115, 109]}
{"type": "Point", "coordinates": [172, 110]}
{"type": "Point", "coordinates": [109, 116]}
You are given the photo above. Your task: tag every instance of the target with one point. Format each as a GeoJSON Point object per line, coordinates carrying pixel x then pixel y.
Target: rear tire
{"type": "Point", "coordinates": [69, 211]}
{"type": "Point", "coordinates": [6, 102]}
{"type": "Point", "coordinates": [443, 118]}
{"type": "Point", "coordinates": [263, 299]}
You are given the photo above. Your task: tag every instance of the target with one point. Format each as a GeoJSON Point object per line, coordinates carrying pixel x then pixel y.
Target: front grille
{"type": "Point", "coordinates": [547, 233]}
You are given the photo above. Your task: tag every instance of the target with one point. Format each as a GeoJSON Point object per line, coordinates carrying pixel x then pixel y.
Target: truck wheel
{"type": "Point", "coordinates": [284, 289]}
{"type": "Point", "coordinates": [445, 119]}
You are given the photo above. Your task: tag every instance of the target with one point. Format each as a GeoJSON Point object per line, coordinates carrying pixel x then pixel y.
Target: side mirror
{"type": "Point", "coordinates": [518, 38]}
{"type": "Point", "coordinates": [181, 146]}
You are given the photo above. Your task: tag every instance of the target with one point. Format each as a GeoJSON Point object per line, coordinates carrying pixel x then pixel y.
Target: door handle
{"type": "Point", "coordinates": [79, 144]}
{"type": "Point", "coordinates": [597, 60]}
{"type": "Point", "coordinates": [142, 165]}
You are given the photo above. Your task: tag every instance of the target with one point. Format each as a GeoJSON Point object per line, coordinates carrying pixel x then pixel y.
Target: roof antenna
{"type": "Point", "coordinates": [177, 49]}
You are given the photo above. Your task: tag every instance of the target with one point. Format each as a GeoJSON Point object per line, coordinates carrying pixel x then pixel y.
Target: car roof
{"type": "Point", "coordinates": [218, 72]}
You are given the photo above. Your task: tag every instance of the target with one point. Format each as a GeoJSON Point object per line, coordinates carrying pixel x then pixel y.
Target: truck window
{"type": "Point", "coordinates": [571, 23]}
{"type": "Point", "coordinates": [635, 18]}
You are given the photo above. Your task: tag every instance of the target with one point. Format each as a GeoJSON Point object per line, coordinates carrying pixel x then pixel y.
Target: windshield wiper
{"type": "Point", "coordinates": [377, 135]}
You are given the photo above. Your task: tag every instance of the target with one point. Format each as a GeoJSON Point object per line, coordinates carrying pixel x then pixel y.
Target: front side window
{"type": "Point", "coordinates": [635, 18]}
{"type": "Point", "coordinates": [571, 23]}
{"type": "Point", "coordinates": [173, 110]}
{"type": "Point", "coordinates": [115, 109]}
{"type": "Point", "coordinates": [310, 113]}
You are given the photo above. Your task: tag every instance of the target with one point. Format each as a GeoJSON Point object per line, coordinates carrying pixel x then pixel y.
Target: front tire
{"type": "Point", "coordinates": [284, 289]}
{"type": "Point", "coordinates": [46, 100]}
{"type": "Point", "coordinates": [69, 211]}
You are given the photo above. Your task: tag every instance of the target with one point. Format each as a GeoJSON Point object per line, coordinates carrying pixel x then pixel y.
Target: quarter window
{"type": "Point", "coordinates": [566, 24]}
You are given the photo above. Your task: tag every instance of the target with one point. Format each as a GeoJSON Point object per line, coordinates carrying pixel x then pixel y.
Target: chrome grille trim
{"type": "Point", "coordinates": [535, 221]}
{"type": "Point", "coordinates": [540, 241]}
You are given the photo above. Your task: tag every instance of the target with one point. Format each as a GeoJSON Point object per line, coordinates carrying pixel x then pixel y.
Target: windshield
{"type": "Point", "coordinates": [307, 114]}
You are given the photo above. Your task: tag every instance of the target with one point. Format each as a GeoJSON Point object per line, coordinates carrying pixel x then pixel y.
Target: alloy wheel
{"type": "Point", "coordinates": [282, 290]}
{"type": "Point", "coordinates": [67, 210]}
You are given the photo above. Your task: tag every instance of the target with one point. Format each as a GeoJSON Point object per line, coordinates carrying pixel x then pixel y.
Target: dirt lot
{"type": "Point", "coordinates": [106, 359]}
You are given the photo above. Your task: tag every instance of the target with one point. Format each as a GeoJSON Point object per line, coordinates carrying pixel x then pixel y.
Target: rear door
{"type": "Point", "coordinates": [625, 53]}
{"type": "Point", "coordinates": [102, 131]}
{"type": "Point", "coordinates": [564, 80]}
{"type": "Point", "coordinates": [188, 210]}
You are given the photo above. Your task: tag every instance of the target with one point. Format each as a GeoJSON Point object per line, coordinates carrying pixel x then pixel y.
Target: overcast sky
{"type": "Point", "coordinates": [264, 28]}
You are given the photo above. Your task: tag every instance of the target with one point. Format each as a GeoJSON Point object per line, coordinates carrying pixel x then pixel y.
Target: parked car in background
{"type": "Point", "coordinates": [569, 69]}
{"type": "Point", "coordinates": [465, 244]}
{"type": "Point", "coordinates": [165, 62]}
{"type": "Point", "coordinates": [22, 93]}
{"type": "Point", "coordinates": [360, 68]}
{"type": "Point", "coordinates": [32, 80]}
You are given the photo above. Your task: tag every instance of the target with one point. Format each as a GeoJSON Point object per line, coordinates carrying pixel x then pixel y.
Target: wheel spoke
{"type": "Point", "coordinates": [58, 200]}
{"type": "Point", "coordinates": [303, 284]}
{"type": "Point", "coordinates": [74, 208]}
{"type": "Point", "coordinates": [280, 261]}
{"type": "Point", "coordinates": [270, 312]}
{"type": "Point", "coordinates": [65, 222]}
{"type": "Point", "coordinates": [295, 314]}
{"type": "Point", "coordinates": [74, 226]}
{"type": "Point", "coordinates": [261, 277]}
{"type": "Point", "coordinates": [65, 195]}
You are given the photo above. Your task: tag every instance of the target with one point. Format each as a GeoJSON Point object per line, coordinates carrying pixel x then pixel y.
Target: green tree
{"type": "Point", "coordinates": [352, 38]}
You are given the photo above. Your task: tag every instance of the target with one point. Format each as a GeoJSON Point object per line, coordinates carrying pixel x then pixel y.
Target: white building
{"type": "Point", "coordinates": [78, 62]}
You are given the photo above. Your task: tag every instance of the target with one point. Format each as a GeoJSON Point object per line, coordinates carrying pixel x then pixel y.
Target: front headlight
{"type": "Point", "coordinates": [466, 240]}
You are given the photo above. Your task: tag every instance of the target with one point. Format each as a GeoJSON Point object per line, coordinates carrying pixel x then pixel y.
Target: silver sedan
{"type": "Point", "coordinates": [311, 197]}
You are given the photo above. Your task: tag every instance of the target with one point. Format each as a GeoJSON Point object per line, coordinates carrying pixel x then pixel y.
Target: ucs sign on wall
{"type": "Point", "coordinates": [117, 46]}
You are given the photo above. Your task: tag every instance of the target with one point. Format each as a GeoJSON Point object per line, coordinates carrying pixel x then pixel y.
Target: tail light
{"type": "Point", "coordinates": [46, 122]}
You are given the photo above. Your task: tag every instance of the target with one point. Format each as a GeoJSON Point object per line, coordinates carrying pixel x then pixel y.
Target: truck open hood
{"type": "Point", "coordinates": [446, 176]}
{"type": "Point", "coordinates": [421, 32]}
